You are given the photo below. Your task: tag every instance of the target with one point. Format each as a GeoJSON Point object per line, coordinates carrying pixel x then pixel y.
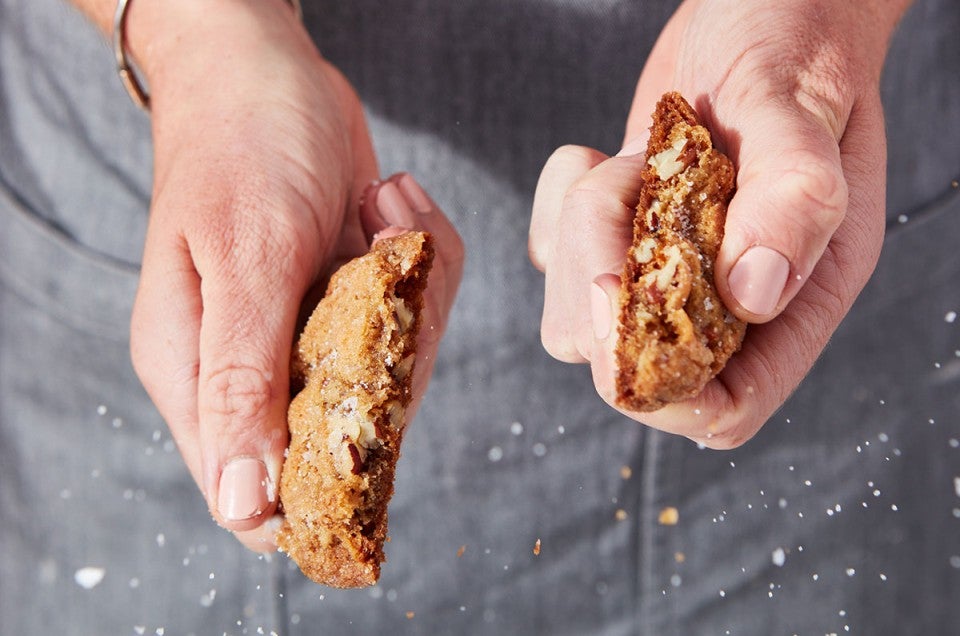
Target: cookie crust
{"type": "Point", "coordinates": [354, 361]}
{"type": "Point", "coordinates": [675, 333]}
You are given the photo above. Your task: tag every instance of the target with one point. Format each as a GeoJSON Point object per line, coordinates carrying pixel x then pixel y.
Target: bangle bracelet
{"type": "Point", "coordinates": [125, 69]}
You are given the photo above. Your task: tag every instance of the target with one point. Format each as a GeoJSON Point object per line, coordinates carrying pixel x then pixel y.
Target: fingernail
{"type": "Point", "coordinates": [415, 194]}
{"type": "Point", "coordinates": [633, 147]}
{"type": "Point", "coordinates": [367, 190]}
{"type": "Point", "coordinates": [758, 279]}
{"type": "Point", "coordinates": [245, 489]}
{"type": "Point", "coordinates": [393, 206]}
{"type": "Point", "coordinates": [600, 312]}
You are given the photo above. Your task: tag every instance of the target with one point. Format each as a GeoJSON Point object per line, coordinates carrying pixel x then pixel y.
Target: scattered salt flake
{"type": "Point", "coordinates": [815, 577]}
{"type": "Point", "coordinates": [675, 580]}
{"type": "Point", "coordinates": [956, 485]}
{"type": "Point", "coordinates": [495, 454]}
{"type": "Point", "coordinates": [779, 557]}
{"type": "Point", "coordinates": [950, 317]}
{"type": "Point", "coordinates": [89, 577]}
{"type": "Point", "coordinates": [536, 548]}
{"type": "Point", "coordinates": [669, 516]}
{"type": "Point", "coordinates": [903, 218]}
{"type": "Point", "coordinates": [561, 429]}
{"type": "Point", "coordinates": [102, 409]}
{"type": "Point", "coordinates": [883, 577]}
{"type": "Point", "coordinates": [516, 428]}
{"type": "Point", "coordinates": [140, 629]}
{"type": "Point", "coordinates": [134, 583]}
{"type": "Point", "coordinates": [954, 443]}
{"type": "Point", "coordinates": [161, 540]}
{"type": "Point", "coordinates": [539, 449]}
{"type": "Point", "coordinates": [851, 571]}
{"type": "Point", "coordinates": [955, 561]}
{"type": "Point", "coordinates": [206, 600]}
{"type": "Point", "coordinates": [722, 594]}
{"type": "Point", "coordinates": [782, 503]}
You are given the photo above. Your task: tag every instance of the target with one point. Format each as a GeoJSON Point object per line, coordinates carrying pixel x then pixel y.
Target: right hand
{"type": "Point", "coordinates": [790, 90]}
{"type": "Point", "coordinates": [261, 152]}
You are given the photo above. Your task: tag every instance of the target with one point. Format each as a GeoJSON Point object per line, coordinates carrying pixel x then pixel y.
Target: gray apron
{"type": "Point", "coordinates": [843, 514]}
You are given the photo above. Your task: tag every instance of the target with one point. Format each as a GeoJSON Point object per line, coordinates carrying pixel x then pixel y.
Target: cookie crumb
{"type": "Point", "coordinates": [536, 548]}
{"type": "Point", "coordinates": [626, 472]}
{"type": "Point", "coordinates": [620, 514]}
{"type": "Point", "coordinates": [461, 550]}
{"type": "Point", "coordinates": [669, 516]}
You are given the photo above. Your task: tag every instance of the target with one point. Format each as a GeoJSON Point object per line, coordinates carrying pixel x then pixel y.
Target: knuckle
{"type": "Point", "coordinates": [239, 392]}
{"type": "Point", "coordinates": [556, 342]}
{"type": "Point", "coordinates": [731, 432]}
{"type": "Point", "coordinates": [819, 191]}
{"type": "Point", "coordinates": [574, 157]}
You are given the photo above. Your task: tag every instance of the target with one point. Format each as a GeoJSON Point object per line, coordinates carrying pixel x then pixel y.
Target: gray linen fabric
{"type": "Point", "coordinates": [842, 515]}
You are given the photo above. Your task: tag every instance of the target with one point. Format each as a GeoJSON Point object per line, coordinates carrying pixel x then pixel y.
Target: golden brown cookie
{"type": "Point", "coordinates": [675, 334]}
{"type": "Point", "coordinates": [355, 362]}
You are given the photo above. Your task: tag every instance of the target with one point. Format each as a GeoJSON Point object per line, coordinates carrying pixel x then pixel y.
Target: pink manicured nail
{"type": "Point", "coordinates": [634, 147]}
{"type": "Point", "coordinates": [394, 207]}
{"type": "Point", "coordinates": [244, 489]}
{"type": "Point", "coordinates": [600, 312]}
{"type": "Point", "coordinates": [415, 194]}
{"type": "Point", "coordinates": [364, 196]}
{"type": "Point", "coordinates": [758, 279]}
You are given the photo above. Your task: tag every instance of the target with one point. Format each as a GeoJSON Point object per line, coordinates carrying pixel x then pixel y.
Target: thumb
{"type": "Point", "coordinates": [791, 197]}
{"type": "Point", "coordinates": [250, 305]}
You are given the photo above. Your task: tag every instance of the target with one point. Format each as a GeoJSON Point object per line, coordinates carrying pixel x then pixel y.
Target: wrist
{"type": "Point", "coordinates": [168, 40]}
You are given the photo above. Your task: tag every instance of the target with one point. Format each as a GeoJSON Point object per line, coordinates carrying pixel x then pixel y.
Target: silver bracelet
{"type": "Point", "coordinates": [125, 69]}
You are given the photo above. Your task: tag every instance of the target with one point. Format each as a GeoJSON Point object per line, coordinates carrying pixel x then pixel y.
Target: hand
{"type": "Point", "coordinates": [261, 151]}
{"type": "Point", "coordinates": [790, 92]}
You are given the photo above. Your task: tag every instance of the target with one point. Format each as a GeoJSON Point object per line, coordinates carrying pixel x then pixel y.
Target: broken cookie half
{"type": "Point", "coordinates": [675, 333]}
{"type": "Point", "coordinates": [354, 361]}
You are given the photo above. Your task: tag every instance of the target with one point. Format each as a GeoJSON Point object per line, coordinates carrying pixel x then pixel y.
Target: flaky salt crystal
{"type": "Point", "coordinates": [779, 557]}
{"type": "Point", "coordinates": [89, 577]}
{"type": "Point", "coordinates": [951, 316]}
